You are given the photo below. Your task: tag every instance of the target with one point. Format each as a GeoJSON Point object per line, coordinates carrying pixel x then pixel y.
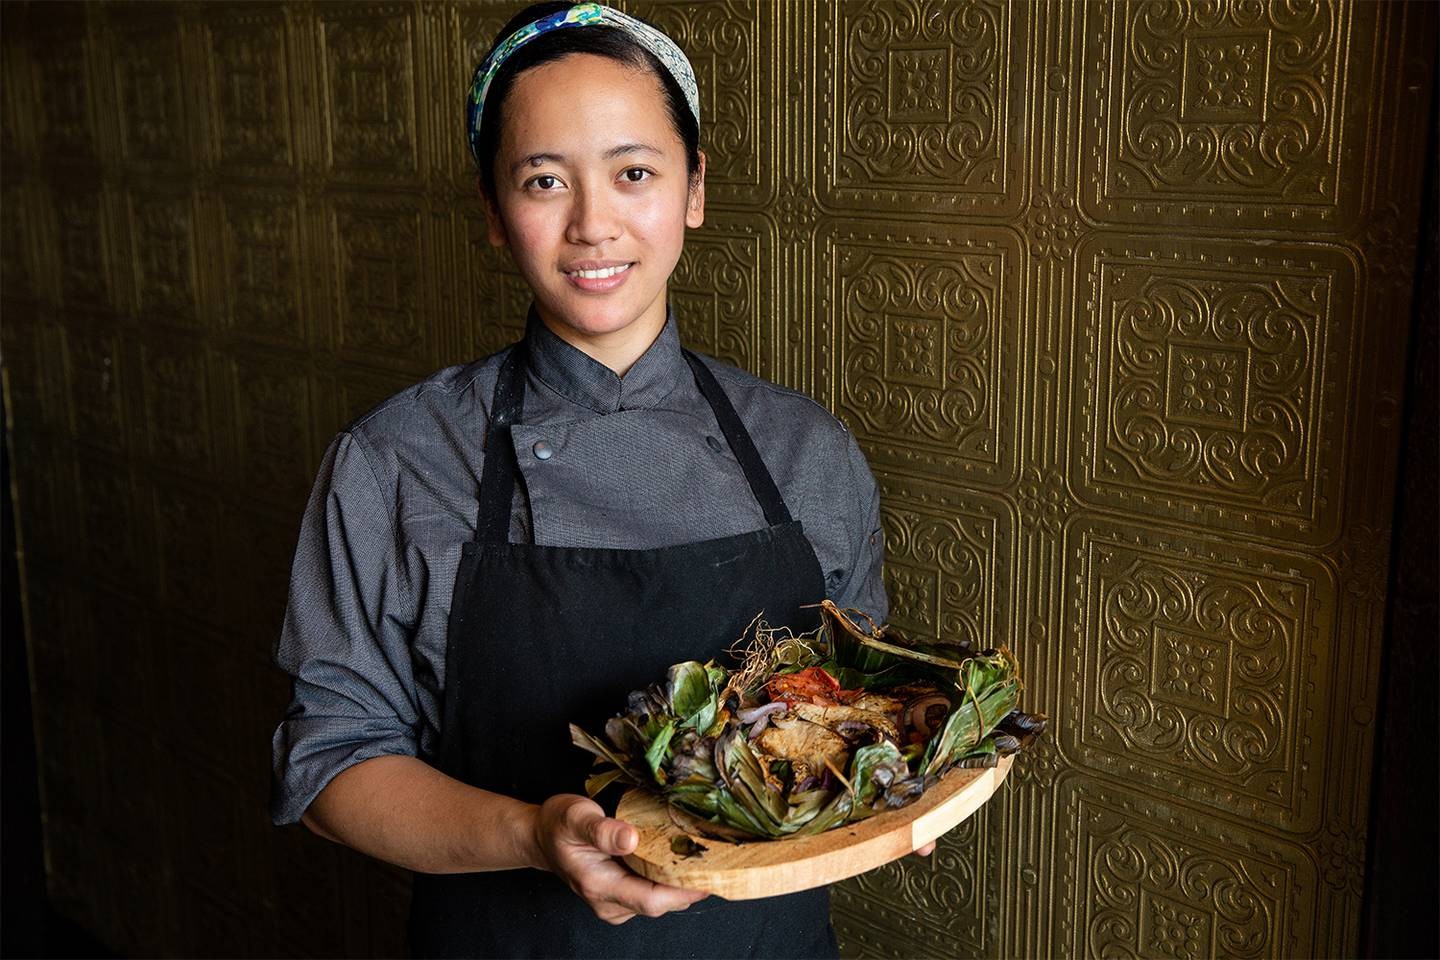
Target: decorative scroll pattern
{"type": "Point", "coordinates": [713, 294]}
{"type": "Point", "coordinates": [61, 85]}
{"type": "Point", "coordinates": [921, 351]}
{"type": "Point", "coordinates": [369, 92]}
{"type": "Point", "coordinates": [149, 85]}
{"type": "Point", "coordinates": [941, 905]}
{"type": "Point", "coordinates": [1237, 99]}
{"type": "Point", "coordinates": [937, 571]}
{"type": "Point", "coordinates": [84, 268]}
{"type": "Point", "coordinates": [1235, 377]}
{"type": "Point", "coordinates": [162, 229]}
{"type": "Point", "coordinates": [1152, 890]}
{"type": "Point", "coordinates": [947, 560]}
{"type": "Point", "coordinates": [378, 282]}
{"type": "Point", "coordinates": [1216, 384]}
{"type": "Point", "coordinates": [177, 405]}
{"type": "Point", "coordinates": [1201, 673]}
{"type": "Point", "coordinates": [922, 95]}
{"type": "Point", "coordinates": [1226, 104]}
{"type": "Point", "coordinates": [251, 90]}
{"type": "Point", "coordinates": [262, 256]}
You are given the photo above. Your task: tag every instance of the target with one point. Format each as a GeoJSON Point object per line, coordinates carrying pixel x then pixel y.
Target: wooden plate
{"type": "Point", "coordinates": [768, 868]}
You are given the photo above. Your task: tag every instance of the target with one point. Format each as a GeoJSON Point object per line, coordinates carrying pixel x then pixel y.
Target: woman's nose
{"type": "Point", "coordinates": [593, 218]}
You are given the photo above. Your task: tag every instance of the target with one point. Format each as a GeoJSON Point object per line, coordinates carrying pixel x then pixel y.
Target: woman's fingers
{"type": "Point", "coordinates": [650, 899]}
{"type": "Point", "coordinates": [927, 849]}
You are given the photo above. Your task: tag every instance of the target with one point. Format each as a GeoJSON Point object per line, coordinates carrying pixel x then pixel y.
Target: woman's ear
{"type": "Point", "coordinates": [695, 204]}
{"type": "Point", "coordinates": [494, 226]}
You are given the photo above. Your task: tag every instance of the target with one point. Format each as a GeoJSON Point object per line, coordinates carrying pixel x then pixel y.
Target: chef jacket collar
{"type": "Point", "coordinates": [575, 375]}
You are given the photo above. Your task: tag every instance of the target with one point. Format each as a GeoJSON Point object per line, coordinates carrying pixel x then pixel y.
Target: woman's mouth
{"type": "Point", "coordinates": [599, 280]}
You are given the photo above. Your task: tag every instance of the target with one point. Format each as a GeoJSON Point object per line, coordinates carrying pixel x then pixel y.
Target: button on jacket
{"type": "Point", "coordinates": [604, 461]}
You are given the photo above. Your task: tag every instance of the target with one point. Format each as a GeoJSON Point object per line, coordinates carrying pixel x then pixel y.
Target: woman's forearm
{"type": "Point", "coordinates": [404, 811]}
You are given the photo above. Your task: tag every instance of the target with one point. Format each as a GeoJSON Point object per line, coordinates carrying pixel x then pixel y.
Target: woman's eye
{"type": "Point", "coordinates": [536, 181]}
{"type": "Point", "coordinates": [635, 170]}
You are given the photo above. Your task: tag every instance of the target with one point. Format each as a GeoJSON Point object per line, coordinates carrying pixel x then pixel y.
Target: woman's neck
{"type": "Point", "coordinates": [618, 349]}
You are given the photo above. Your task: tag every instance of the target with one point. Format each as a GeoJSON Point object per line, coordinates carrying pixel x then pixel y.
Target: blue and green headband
{"type": "Point", "coordinates": [580, 15]}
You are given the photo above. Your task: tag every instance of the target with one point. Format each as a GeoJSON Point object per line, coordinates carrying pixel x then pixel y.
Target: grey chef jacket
{"type": "Point", "coordinates": [633, 462]}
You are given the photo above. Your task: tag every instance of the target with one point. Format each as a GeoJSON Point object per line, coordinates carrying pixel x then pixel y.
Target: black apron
{"type": "Point", "coordinates": [542, 636]}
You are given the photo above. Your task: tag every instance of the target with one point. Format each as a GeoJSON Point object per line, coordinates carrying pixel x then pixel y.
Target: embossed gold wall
{"type": "Point", "coordinates": [1114, 296]}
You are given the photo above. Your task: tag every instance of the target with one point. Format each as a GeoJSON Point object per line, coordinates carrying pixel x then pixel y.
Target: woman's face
{"type": "Point", "coordinates": [590, 173]}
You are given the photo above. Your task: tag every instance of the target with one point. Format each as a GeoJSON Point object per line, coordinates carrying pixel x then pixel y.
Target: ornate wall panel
{"type": "Point", "coordinates": [1211, 380]}
{"type": "Point", "coordinates": [1199, 669]}
{"type": "Point", "coordinates": [249, 89]}
{"type": "Point", "coordinates": [917, 347]}
{"type": "Point", "coordinates": [1113, 296]}
{"type": "Point", "coordinates": [1229, 115]}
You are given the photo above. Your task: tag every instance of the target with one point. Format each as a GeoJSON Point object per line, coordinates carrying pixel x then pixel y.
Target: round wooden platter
{"type": "Point", "coordinates": [768, 868]}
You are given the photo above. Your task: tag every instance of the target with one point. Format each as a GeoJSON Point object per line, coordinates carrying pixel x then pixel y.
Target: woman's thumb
{"type": "Point", "coordinates": [615, 837]}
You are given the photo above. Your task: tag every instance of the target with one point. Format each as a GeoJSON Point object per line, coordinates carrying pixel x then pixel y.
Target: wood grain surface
{"type": "Point", "coordinates": [768, 868]}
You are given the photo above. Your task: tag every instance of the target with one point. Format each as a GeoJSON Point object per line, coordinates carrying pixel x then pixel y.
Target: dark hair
{"type": "Point", "coordinates": [603, 41]}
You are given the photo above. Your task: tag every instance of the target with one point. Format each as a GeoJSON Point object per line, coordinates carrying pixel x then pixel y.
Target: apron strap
{"type": "Point", "coordinates": [762, 485]}
{"type": "Point", "coordinates": [497, 481]}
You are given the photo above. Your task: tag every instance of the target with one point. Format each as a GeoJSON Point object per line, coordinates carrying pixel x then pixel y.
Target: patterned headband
{"type": "Point", "coordinates": [580, 15]}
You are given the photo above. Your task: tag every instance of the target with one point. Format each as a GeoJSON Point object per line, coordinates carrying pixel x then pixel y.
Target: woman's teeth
{"type": "Point", "coordinates": [600, 274]}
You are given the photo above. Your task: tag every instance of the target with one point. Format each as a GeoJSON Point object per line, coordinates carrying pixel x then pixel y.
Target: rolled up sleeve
{"type": "Point", "coordinates": [863, 586]}
{"type": "Point", "coordinates": [345, 639]}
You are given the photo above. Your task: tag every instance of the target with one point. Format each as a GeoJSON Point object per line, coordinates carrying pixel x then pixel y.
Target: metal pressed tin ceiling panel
{"type": "Point", "coordinates": [1113, 295]}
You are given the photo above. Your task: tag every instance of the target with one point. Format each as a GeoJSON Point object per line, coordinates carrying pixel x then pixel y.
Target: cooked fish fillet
{"type": "Point", "coordinates": [811, 743]}
{"type": "Point", "coordinates": [832, 717]}
{"type": "Point", "coordinates": [879, 703]}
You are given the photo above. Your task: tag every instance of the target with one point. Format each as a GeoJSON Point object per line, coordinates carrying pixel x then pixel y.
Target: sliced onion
{"type": "Point", "coordinates": [918, 708]}
{"type": "Point", "coordinates": [764, 710]}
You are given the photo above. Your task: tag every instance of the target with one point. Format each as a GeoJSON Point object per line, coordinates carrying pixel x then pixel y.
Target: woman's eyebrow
{"type": "Point", "coordinates": [630, 148]}
{"type": "Point", "coordinates": [536, 159]}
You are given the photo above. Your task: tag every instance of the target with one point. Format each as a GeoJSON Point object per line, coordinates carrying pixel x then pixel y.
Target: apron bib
{"type": "Point", "coordinates": [540, 637]}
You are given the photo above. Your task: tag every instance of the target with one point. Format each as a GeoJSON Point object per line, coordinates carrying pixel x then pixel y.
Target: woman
{"type": "Point", "coordinates": [515, 544]}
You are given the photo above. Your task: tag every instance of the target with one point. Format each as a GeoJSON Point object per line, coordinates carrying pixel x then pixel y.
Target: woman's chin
{"type": "Point", "coordinates": [597, 320]}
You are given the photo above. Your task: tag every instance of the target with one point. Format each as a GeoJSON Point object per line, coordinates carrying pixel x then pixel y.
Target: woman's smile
{"type": "Point", "coordinates": [600, 280]}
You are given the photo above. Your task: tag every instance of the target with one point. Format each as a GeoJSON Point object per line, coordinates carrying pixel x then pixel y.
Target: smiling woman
{"type": "Point", "coordinates": [515, 543]}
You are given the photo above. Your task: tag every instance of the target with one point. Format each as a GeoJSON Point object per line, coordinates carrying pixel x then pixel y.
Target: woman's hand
{"type": "Point", "coordinates": [577, 842]}
{"type": "Point", "coordinates": [926, 850]}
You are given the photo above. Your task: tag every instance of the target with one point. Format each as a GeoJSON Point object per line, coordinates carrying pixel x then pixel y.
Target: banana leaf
{"type": "Point", "coordinates": [597, 782]}
{"type": "Point", "coordinates": [868, 761]}
{"type": "Point", "coordinates": [688, 687]}
{"type": "Point", "coordinates": [740, 771]}
{"type": "Point", "coordinates": [990, 688]}
{"type": "Point", "coordinates": [655, 754]}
